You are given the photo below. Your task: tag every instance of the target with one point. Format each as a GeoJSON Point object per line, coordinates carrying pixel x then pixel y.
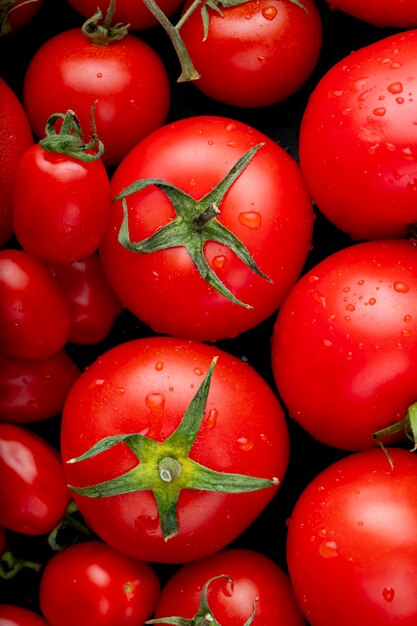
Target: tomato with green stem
{"type": "Point", "coordinates": [158, 464]}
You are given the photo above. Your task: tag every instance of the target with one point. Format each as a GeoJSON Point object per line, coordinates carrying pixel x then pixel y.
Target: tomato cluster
{"type": "Point", "coordinates": [208, 313]}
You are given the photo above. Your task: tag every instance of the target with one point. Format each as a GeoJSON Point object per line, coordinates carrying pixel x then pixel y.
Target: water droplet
{"type": "Point", "coordinates": [210, 142]}
{"type": "Point", "coordinates": [313, 278]}
{"type": "Point", "coordinates": [192, 182]}
{"type": "Point", "coordinates": [269, 12]}
{"type": "Point", "coordinates": [120, 390]}
{"type": "Point", "coordinates": [335, 93]}
{"type": "Point", "coordinates": [408, 319]}
{"type": "Point", "coordinates": [401, 287]}
{"type": "Point", "coordinates": [372, 301]}
{"type": "Point", "coordinates": [328, 549]}
{"type": "Point", "coordinates": [99, 74]}
{"type": "Point", "coordinates": [318, 297]}
{"type": "Point", "coordinates": [346, 289]}
{"type": "Point", "coordinates": [251, 219]}
{"type": "Point", "coordinates": [232, 144]}
{"type": "Point", "coordinates": [245, 444]}
{"type": "Point", "coordinates": [155, 403]}
{"type": "Point", "coordinates": [327, 343]}
{"type": "Point", "coordinates": [395, 65]}
{"type": "Point", "coordinates": [159, 366]}
{"type": "Point", "coordinates": [262, 60]}
{"type": "Point", "coordinates": [388, 594]}
{"type": "Point", "coordinates": [198, 371]}
{"type": "Point", "coordinates": [96, 383]}
{"type": "Point", "coordinates": [346, 111]}
{"type": "Point", "coordinates": [219, 261]}
{"type": "Point", "coordinates": [231, 126]}
{"type": "Point", "coordinates": [395, 88]}
{"type": "Point", "coordinates": [379, 111]}
{"type": "Point", "coordinates": [212, 418]}
{"type": "Point", "coordinates": [350, 307]}
{"type": "Point", "coordinates": [399, 100]}
{"type": "Point", "coordinates": [362, 96]}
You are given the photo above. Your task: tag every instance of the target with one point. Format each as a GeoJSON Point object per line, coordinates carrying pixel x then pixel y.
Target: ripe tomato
{"type": "Point", "coordinates": [266, 208]}
{"type": "Point", "coordinates": [33, 492]}
{"type": "Point", "coordinates": [11, 615]}
{"type": "Point", "coordinates": [13, 123]}
{"type": "Point", "coordinates": [244, 582]}
{"type": "Point", "coordinates": [61, 205]}
{"type": "Point", "coordinates": [352, 547]}
{"type": "Point", "coordinates": [348, 333]}
{"type": "Point", "coordinates": [388, 13]}
{"type": "Point", "coordinates": [102, 587]}
{"type": "Point", "coordinates": [256, 53]}
{"type": "Point", "coordinates": [94, 305]}
{"type": "Point", "coordinates": [14, 14]}
{"type": "Point", "coordinates": [35, 316]}
{"type": "Point", "coordinates": [144, 387]}
{"type": "Point", "coordinates": [358, 140]}
{"type": "Point", "coordinates": [126, 78]}
{"type": "Point", "coordinates": [35, 389]}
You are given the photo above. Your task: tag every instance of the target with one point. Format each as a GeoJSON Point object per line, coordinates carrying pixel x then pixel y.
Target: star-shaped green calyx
{"type": "Point", "coordinates": [165, 468]}
{"type": "Point", "coordinates": [195, 223]}
{"type": "Point", "coordinates": [204, 615]}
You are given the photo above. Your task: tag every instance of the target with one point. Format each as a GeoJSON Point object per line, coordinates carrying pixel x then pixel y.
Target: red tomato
{"type": "Point", "coordinates": [254, 582]}
{"type": "Point", "coordinates": [61, 205]}
{"type": "Point", "coordinates": [388, 13]}
{"type": "Point", "coordinates": [102, 587]}
{"type": "Point", "coordinates": [256, 53]}
{"type": "Point", "coordinates": [144, 387]}
{"type": "Point", "coordinates": [126, 78]}
{"type": "Point", "coordinates": [34, 311]}
{"type": "Point", "coordinates": [93, 302]}
{"type": "Point", "coordinates": [11, 615]}
{"type": "Point", "coordinates": [352, 546]}
{"type": "Point", "coordinates": [13, 123]}
{"type": "Point", "coordinates": [266, 207]}
{"type": "Point", "coordinates": [128, 11]}
{"type": "Point", "coordinates": [347, 336]}
{"type": "Point", "coordinates": [33, 492]}
{"type": "Point", "coordinates": [14, 14]}
{"type": "Point", "coordinates": [35, 389]}
{"type": "Point", "coordinates": [358, 140]}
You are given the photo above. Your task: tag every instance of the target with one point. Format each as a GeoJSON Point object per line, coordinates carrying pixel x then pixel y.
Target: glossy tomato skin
{"type": "Point", "coordinates": [351, 548]}
{"type": "Point", "coordinates": [94, 304]}
{"type": "Point", "coordinates": [358, 140]}
{"type": "Point", "coordinates": [256, 54]}
{"type": "Point", "coordinates": [267, 208]}
{"type": "Point", "coordinates": [11, 615]}
{"type": "Point", "coordinates": [389, 13]}
{"type": "Point", "coordinates": [33, 492]}
{"type": "Point", "coordinates": [128, 11]}
{"type": "Point", "coordinates": [348, 334]}
{"type": "Point", "coordinates": [13, 122]}
{"type": "Point", "coordinates": [34, 311]}
{"type": "Point", "coordinates": [102, 587]}
{"type": "Point", "coordinates": [144, 386]}
{"type": "Point", "coordinates": [61, 205]}
{"type": "Point", "coordinates": [254, 577]}
{"type": "Point", "coordinates": [126, 78]}
{"type": "Point", "coordinates": [35, 389]}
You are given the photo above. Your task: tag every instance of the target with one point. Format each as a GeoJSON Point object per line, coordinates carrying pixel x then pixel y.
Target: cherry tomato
{"type": "Point", "coordinates": [241, 582]}
{"type": "Point", "coordinates": [94, 304]}
{"type": "Point", "coordinates": [35, 316]}
{"type": "Point", "coordinates": [388, 13]}
{"type": "Point", "coordinates": [126, 78]}
{"type": "Point", "coordinates": [152, 388]}
{"type": "Point", "coordinates": [11, 615]}
{"type": "Point", "coordinates": [347, 336]}
{"type": "Point", "coordinates": [358, 140]}
{"type": "Point", "coordinates": [102, 587]}
{"type": "Point", "coordinates": [33, 492]}
{"type": "Point", "coordinates": [256, 53]}
{"type": "Point", "coordinates": [266, 208]}
{"type": "Point", "coordinates": [352, 547]}
{"type": "Point", "coordinates": [14, 14]}
{"type": "Point", "coordinates": [13, 123]}
{"type": "Point", "coordinates": [35, 389]}
{"type": "Point", "coordinates": [61, 205]}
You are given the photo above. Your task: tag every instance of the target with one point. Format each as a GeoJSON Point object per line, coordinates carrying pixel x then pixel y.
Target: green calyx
{"type": "Point", "coordinates": [204, 616]}
{"type": "Point", "coordinates": [69, 140]}
{"type": "Point", "coordinates": [165, 468]}
{"type": "Point", "coordinates": [408, 425]}
{"type": "Point", "coordinates": [6, 7]}
{"type": "Point", "coordinates": [195, 224]}
{"type": "Point", "coordinates": [10, 565]}
{"type": "Point", "coordinates": [103, 33]}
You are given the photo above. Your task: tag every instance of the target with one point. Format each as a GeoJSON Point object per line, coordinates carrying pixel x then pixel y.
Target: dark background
{"type": "Point", "coordinates": [341, 35]}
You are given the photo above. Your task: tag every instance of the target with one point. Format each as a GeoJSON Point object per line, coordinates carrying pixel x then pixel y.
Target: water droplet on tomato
{"type": "Point", "coordinates": [262, 60]}
{"type": "Point", "coordinates": [231, 126]}
{"type": "Point", "coordinates": [119, 390]}
{"type": "Point", "coordinates": [408, 319]}
{"type": "Point", "coordinates": [198, 371]}
{"type": "Point", "coordinates": [155, 403]}
{"type": "Point", "coordinates": [399, 100]}
{"type": "Point", "coordinates": [159, 366]}
{"type": "Point", "coordinates": [327, 343]}
{"type": "Point", "coordinates": [232, 144]}
{"type": "Point", "coordinates": [251, 219]}
{"type": "Point", "coordinates": [388, 594]}
{"type": "Point", "coordinates": [269, 12]}
{"type": "Point", "coordinates": [99, 75]}
{"type": "Point", "coordinates": [212, 418]}
{"type": "Point", "coordinates": [219, 261]}
{"type": "Point", "coordinates": [96, 383]}
{"type": "Point", "coordinates": [401, 287]}
{"type": "Point", "coordinates": [395, 88]}
{"type": "Point", "coordinates": [328, 549]}
{"type": "Point", "coordinates": [350, 307]}
{"type": "Point", "coordinates": [245, 444]}
{"type": "Point", "coordinates": [379, 111]}
{"type": "Point", "coordinates": [372, 301]}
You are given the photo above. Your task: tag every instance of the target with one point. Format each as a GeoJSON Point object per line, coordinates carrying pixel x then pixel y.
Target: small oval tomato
{"type": "Point", "coordinates": [188, 276]}
{"type": "Point", "coordinates": [256, 53]}
{"type": "Point", "coordinates": [34, 311]}
{"type": "Point", "coordinates": [14, 14]}
{"type": "Point", "coordinates": [203, 475]}
{"type": "Point", "coordinates": [347, 336]}
{"type": "Point", "coordinates": [238, 582]}
{"type": "Point", "coordinates": [126, 78]}
{"type": "Point", "coordinates": [33, 492]}
{"type": "Point", "coordinates": [358, 140]}
{"type": "Point", "coordinates": [11, 615]}
{"type": "Point", "coordinates": [94, 304]}
{"type": "Point", "coordinates": [13, 123]}
{"type": "Point", "coordinates": [102, 587]}
{"type": "Point", "coordinates": [389, 13]}
{"type": "Point", "coordinates": [352, 547]}
{"type": "Point", "coordinates": [35, 389]}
